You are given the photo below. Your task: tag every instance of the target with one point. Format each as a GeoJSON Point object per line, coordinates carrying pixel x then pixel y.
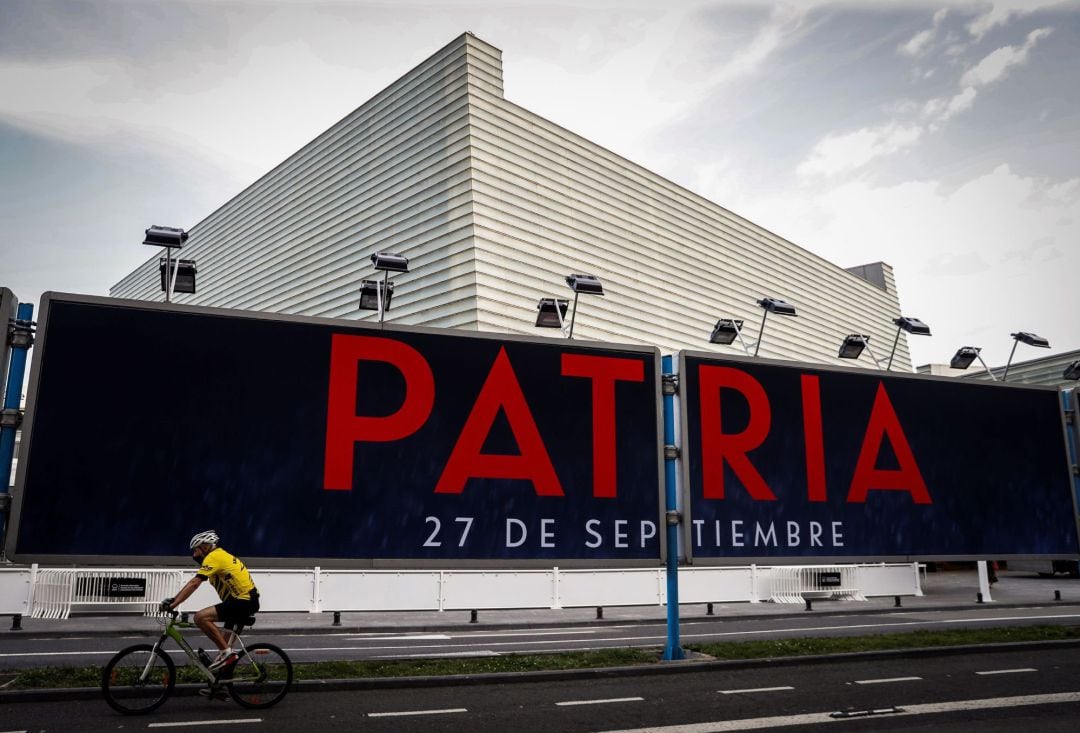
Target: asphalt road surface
{"type": "Point", "coordinates": [19, 651]}
{"type": "Point", "coordinates": [997, 691]}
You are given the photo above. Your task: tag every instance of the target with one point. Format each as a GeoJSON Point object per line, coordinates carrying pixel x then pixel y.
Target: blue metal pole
{"type": "Point", "coordinates": [672, 650]}
{"type": "Point", "coordinates": [1070, 402]}
{"type": "Point", "coordinates": [12, 397]}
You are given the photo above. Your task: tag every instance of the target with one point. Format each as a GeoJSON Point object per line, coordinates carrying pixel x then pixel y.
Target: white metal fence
{"type": "Point", "coordinates": [55, 592]}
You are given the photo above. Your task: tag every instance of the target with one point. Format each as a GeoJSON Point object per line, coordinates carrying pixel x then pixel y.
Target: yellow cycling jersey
{"type": "Point", "coordinates": [227, 574]}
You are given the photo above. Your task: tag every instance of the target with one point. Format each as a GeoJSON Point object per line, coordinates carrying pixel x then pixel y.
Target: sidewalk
{"type": "Point", "coordinates": [944, 589]}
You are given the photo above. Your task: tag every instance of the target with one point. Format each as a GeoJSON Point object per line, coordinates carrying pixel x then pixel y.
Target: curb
{"type": "Point", "coordinates": [698, 663]}
{"type": "Point", "coordinates": [443, 628]}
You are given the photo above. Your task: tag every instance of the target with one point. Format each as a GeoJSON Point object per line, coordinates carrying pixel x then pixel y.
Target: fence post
{"type": "Point", "coordinates": [316, 591]}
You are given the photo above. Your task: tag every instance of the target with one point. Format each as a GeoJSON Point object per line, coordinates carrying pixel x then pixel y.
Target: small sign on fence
{"type": "Point", "coordinates": [111, 587]}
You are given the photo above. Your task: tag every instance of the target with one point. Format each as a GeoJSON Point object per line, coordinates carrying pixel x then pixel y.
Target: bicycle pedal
{"type": "Point", "coordinates": [214, 694]}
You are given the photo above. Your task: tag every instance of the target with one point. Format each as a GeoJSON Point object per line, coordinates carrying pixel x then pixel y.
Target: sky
{"type": "Point", "coordinates": [942, 138]}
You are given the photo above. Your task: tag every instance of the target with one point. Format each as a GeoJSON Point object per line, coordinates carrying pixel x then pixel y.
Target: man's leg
{"type": "Point", "coordinates": [206, 620]}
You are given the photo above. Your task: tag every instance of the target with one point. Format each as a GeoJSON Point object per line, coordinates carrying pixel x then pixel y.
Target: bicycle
{"type": "Point", "coordinates": [140, 678]}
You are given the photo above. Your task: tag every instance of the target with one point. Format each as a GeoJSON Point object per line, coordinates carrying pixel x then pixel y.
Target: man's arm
{"type": "Point", "coordinates": [190, 587]}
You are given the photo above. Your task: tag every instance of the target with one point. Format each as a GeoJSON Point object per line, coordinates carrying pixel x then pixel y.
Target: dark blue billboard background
{"type": "Point", "coordinates": [950, 468]}
{"type": "Point", "coordinates": [149, 425]}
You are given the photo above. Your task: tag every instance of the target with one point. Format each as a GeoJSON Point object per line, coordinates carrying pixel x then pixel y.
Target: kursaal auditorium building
{"type": "Point", "coordinates": [494, 206]}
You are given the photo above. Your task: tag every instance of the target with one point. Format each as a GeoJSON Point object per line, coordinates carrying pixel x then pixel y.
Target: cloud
{"type": "Point", "coordinates": [970, 260]}
{"type": "Point", "coordinates": [843, 153]}
{"type": "Point", "coordinates": [921, 40]}
{"type": "Point", "coordinates": [784, 22]}
{"type": "Point", "coordinates": [997, 64]}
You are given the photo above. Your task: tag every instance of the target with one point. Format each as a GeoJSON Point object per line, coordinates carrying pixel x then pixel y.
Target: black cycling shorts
{"type": "Point", "coordinates": [235, 610]}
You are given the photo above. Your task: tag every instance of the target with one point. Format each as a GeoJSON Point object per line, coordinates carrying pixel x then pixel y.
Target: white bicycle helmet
{"type": "Point", "coordinates": [209, 537]}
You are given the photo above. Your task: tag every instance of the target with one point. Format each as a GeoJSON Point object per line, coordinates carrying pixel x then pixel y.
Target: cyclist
{"type": "Point", "coordinates": [231, 580]}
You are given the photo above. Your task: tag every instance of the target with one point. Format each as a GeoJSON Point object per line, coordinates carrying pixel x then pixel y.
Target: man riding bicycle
{"type": "Point", "coordinates": [233, 583]}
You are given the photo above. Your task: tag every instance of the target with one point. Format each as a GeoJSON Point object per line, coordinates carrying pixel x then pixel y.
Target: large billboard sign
{"type": "Point", "coordinates": [303, 439]}
{"type": "Point", "coordinates": [786, 461]}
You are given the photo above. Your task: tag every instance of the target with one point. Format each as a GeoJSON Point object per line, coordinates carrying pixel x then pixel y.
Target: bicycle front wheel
{"type": "Point", "coordinates": [261, 677]}
{"type": "Point", "coordinates": [138, 679]}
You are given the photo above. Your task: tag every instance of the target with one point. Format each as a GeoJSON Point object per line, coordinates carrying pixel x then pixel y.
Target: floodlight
{"type": "Point", "coordinates": [1031, 339]}
{"type": "Point", "coordinates": [551, 312]}
{"type": "Point", "coordinates": [587, 284]}
{"type": "Point", "coordinates": [390, 262]}
{"type": "Point", "coordinates": [853, 346]}
{"type": "Point", "coordinates": [1023, 337]}
{"type": "Point", "coordinates": [965, 355]}
{"type": "Point", "coordinates": [913, 326]}
{"type": "Point", "coordinates": [726, 331]}
{"type": "Point", "coordinates": [169, 237]}
{"type": "Point", "coordinates": [1072, 371]}
{"type": "Point", "coordinates": [177, 276]}
{"type": "Point", "coordinates": [375, 295]}
{"type": "Point", "coordinates": [777, 306]}
{"type": "Point", "coordinates": [772, 305]}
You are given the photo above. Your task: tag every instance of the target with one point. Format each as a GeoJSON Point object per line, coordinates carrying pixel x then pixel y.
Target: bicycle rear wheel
{"type": "Point", "coordinates": [138, 679]}
{"type": "Point", "coordinates": [261, 677]}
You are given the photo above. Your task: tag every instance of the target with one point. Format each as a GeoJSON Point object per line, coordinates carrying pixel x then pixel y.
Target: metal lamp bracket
{"type": "Point", "coordinates": [11, 417]}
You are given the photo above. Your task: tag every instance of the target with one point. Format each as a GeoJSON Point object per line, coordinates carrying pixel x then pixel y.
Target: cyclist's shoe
{"type": "Point", "coordinates": [220, 694]}
{"type": "Point", "coordinates": [225, 658]}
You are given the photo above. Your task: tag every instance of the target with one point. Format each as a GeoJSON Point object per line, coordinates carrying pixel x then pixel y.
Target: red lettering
{"type": "Point", "coordinates": [815, 440]}
{"type": "Point", "coordinates": [344, 428]}
{"type": "Point", "coordinates": [604, 371]}
{"type": "Point", "coordinates": [500, 391]}
{"type": "Point", "coordinates": [884, 422]}
{"type": "Point", "coordinates": [717, 446]}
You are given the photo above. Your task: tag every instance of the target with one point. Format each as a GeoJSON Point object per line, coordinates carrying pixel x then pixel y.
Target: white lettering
{"type": "Point", "coordinates": [736, 533]}
{"type": "Point", "coordinates": [545, 535]}
{"type": "Point", "coordinates": [589, 528]}
{"type": "Point", "coordinates": [764, 536]}
{"type": "Point", "coordinates": [467, 521]}
{"type": "Point", "coordinates": [510, 523]}
{"type": "Point", "coordinates": [697, 529]}
{"type": "Point", "coordinates": [837, 537]}
{"type": "Point", "coordinates": [815, 534]}
{"type": "Point", "coordinates": [620, 536]}
{"type": "Point", "coordinates": [648, 531]}
{"type": "Point", "coordinates": [792, 534]}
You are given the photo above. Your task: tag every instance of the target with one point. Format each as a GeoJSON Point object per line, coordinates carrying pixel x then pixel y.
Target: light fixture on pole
{"type": "Point", "coordinates": [726, 331]}
{"type": "Point", "coordinates": [1072, 371]}
{"type": "Point", "coordinates": [913, 326]}
{"type": "Point", "coordinates": [551, 313]}
{"type": "Point", "coordinates": [772, 305]}
{"type": "Point", "coordinates": [180, 275]}
{"type": "Point", "coordinates": [853, 346]}
{"type": "Point", "coordinates": [170, 238]}
{"type": "Point", "coordinates": [375, 295]}
{"type": "Point", "coordinates": [587, 284]}
{"type": "Point", "coordinates": [386, 262]}
{"type": "Point", "coordinates": [1027, 338]}
{"type": "Point", "coordinates": [965, 355]}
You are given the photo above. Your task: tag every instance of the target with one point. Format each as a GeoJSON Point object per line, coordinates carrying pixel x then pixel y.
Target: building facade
{"type": "Point", "coordinates": [494, 206]}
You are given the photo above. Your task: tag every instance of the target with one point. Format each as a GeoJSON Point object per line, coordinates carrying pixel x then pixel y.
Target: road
{"type": "Point", "coordinates": [998, 691]}
{"type": "Point", "coordinates": [18, 651]}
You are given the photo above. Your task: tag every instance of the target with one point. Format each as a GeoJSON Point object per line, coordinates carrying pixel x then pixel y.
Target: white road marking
{"type": "Point", "coordinates": [601, 702]}
{"type": "Point", "coordinates": [754, 689]}
{"type": "Point", "coordinates": [887, 680]}
{"type": "Point", "coordinates": [722, 726]}
{"type": "Point", "coordinates": [1008, 671]}
{"type": "Point", "coordinates": [424, 637]}
{"type": "Point", "coordinates": [181, 724]}
{"type": "Point", "coordinates": [417, 712]}
{"type": "Point", "coordinates": [13, 731]}
{"type": "Point", "coordinates": [51, 654]}
{"type": "Point", "coordinates": [478, 653]}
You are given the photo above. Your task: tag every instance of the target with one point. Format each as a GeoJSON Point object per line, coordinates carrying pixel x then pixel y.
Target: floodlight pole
{"type": "Point", "coordinates": [738, 332]}
{"type": "Point", "coordinates": [1009, 362]}
{"type": "Point", "coordinates": [892, 353]}
{"type": "Point", "coordinates": [760, 332]}
{"type": "Point", "coordinates": [22, 333]}
{"type": "Point", "coordinates": [379, 295]}
{"type": "Point", "coordinates": [866, 343]}
{"type": "Point", "coordinates": [168, 274]}
{"type": "Point", "coordinates": [979, 357]}
{"type": "Point", "coordinates": [573, 316]}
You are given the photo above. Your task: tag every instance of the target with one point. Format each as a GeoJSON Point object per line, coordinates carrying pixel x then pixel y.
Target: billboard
{"type": "Point", "coordinates": [311, 440]}
{"type": "Point", "coordinates": [785, 461]}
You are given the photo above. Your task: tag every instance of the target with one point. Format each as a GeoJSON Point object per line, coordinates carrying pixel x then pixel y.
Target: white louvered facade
{"type": "Point", "coordinates": [494, 206]}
